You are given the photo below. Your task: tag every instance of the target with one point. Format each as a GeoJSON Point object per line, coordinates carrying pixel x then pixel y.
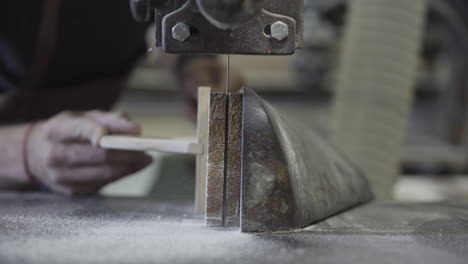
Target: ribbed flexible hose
{"type": "Point", "coordinates": [375, 86]}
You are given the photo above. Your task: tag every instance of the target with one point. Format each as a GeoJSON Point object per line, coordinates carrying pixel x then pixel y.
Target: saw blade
{"type": "Point", "coordinates": [228, 70]}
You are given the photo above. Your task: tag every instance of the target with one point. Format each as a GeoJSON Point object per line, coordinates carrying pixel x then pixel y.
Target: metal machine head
{"type": "Point", "coordinates": [256, 27]}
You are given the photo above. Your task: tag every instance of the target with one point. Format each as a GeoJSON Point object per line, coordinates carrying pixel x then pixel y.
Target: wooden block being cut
{"type": "Point", "coordinates": [233, 162]}
{"type": "Point", "coordinates": [216, 159]}
{"type": "Point", "coordinates": [202, 159]}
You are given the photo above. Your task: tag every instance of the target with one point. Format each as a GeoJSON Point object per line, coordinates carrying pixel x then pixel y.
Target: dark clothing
{"type": "Point", "coordinates": [94, 40]}
{"type": "Point", "coordinates": [18, 35]}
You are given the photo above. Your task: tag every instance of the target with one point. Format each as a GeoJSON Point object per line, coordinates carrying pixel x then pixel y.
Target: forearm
{"type": "Point", "coordinates": [13, 175]}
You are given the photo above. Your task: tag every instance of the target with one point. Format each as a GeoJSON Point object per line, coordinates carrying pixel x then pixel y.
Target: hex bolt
{"type": "Point", "coordinates": [279, 30]}
{"type": "Point", "coordinates": [181, 32]}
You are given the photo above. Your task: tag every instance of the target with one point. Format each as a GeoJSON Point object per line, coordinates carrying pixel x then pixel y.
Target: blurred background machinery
{"type": "Point", "coordinates": [375, 79]}
{"type": "Point", "coordinates": [438, 126]}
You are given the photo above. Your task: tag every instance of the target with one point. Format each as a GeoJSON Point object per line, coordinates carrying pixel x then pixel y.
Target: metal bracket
{"type": "Point", "coordinates": [182, 28]}
{"type": "Point", "coordinates": [205, 38]}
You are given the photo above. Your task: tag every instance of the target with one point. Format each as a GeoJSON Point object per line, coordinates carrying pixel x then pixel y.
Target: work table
{"type": "Point", "coordinates": [45, 228]}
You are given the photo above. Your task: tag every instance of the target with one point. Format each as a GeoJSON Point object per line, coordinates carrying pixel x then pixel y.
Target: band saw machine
{"type": "Point", "coordinates": [255, 169]}
{"type": "Point", "coordinates": [294, 196]}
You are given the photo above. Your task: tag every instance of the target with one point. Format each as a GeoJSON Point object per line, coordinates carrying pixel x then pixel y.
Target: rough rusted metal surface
{"type": "Point", "coordinates": [291, 176]}
{"type": "Point", "coordinates": [268, 202]}
{"type": "Point", "coordinates": [216, 158]}
{"type": "Point", "coordinates": [233, 162]}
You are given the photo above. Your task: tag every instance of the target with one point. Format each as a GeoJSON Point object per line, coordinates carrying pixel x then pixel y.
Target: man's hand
{"type": "Point", "coordinates": [63, 152]}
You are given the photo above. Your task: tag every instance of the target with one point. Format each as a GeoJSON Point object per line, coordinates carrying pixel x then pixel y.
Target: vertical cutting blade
{"type": "Point", "coordinates": [228, 72]}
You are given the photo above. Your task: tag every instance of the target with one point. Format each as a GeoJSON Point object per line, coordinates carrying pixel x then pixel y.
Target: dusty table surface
{"type": "Point", "coordinates": [44, 228]}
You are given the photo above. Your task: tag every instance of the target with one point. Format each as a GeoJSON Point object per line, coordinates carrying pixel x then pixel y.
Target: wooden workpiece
{"type": "Point", "coordinates": [224, 160]}
{"type": "Point", "coordinates": [216, 160]}
{"type": "Point", "coordinates": [203, 119]}
{"type": "Point", "coordinates": [233, 162]}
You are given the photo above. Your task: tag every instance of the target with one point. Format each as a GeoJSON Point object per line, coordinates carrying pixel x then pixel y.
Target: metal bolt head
{"type": "Point", "coordinates": [279, 30]}
{"type": "Point", "coordinates": [181, 32]}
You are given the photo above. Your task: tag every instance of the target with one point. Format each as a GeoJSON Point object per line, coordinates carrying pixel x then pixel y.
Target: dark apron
{"type": "Point", "coordinates": [28, 103]}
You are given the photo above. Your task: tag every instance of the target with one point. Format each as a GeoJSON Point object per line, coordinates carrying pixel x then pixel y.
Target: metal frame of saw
{"type": "Point", "coordinates": [248, 38]}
